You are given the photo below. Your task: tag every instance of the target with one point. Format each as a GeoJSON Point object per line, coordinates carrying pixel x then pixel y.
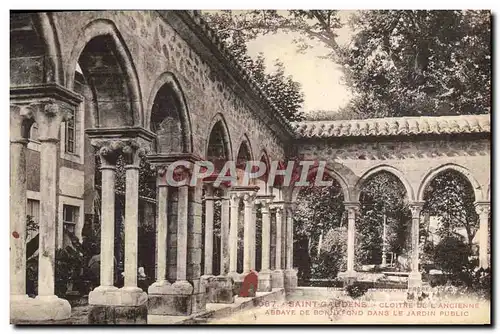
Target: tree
{"type": "Point", "coordinates": [281, 90]}
{"type": "Point", "coordinates": [397, 62]}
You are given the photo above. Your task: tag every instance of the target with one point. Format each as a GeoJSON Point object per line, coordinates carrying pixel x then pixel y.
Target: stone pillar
{"type": "Point", "coordinates": [277, 275]}
{"type": "Point", "coordinates": [224, 239]}
{"type": "Point", "coordinates": [209, 230]}
{"type": "Point", "coordinates": [233, 234]}
{"type": "Point", "coordinates": [248, 200]}
{"type": "Point", "coordinates": [290, 273]}
{"type": "Point", "coordinates": [483, 209]}
{"type": "Point", "coordinates": [352, 209]}
{"type": "Point", "coordinates": [132, 157]}
{"type": "Point", "coordinates": [48, 115]}
{"type": "Point", "coordinates": [265, 272]}
{"type": "Point", "coordinates": [20, 122]}
{"type": "Point", "coordinates": [253, 238]}
{"type": "Point", "coordinates": [415, 278]}
{"type": "Point", "coordinates": [182, 239]}
{"type": "Point", "coordinates": [158, 287]}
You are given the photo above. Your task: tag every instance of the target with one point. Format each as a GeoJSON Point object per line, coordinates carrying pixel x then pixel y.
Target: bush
{"type": "Point", "coordinates": [356, 289]}
{"type": "Point", "coordinates": [452, 255]}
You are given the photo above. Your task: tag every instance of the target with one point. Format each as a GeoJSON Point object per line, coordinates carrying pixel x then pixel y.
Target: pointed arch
{"type": "Point", "coordinates": [389, 169]}
{"type": "Point", "coordinates": [244, 143]}
{"type": "Point", "coordinates": [168, 80]}
{"type": "Point", "coordinates": [107, 28]}
{"type": "Point", "coordinates": [432, 173]}
{"type": "Point", "coordinates": [219, 120]}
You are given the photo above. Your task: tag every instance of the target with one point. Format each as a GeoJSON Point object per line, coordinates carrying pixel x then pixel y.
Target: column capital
{"type": "Point", "coordinates": [416, 208]}
{"type": "Point", "coordinates": [482, 207]}
{"type": "Point", "coordinates": [352, 208]}
{"type": "Point", "coordinates": [21, 119]}
{"type": "Point", "coordinates": [277, 206]}
{"type": "Point", "coordinates": [48, 114]}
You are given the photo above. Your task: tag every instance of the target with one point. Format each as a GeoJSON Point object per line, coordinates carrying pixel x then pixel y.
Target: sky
{"type": "Point", "coordinates": [321, 79]}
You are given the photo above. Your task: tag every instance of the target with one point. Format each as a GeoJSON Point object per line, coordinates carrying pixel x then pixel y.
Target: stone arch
{"type": "Point", "coordinates": [389, 169]}
{"type": "Point", "coordinates": [244, 143]}
{"type": "Point", "coordinates": [476, 187]}
{"type": "Point", "coordinates": [167, 87]}
{"type": "Point", "coordinates": [122, 84]}
{"type": "Point", "coordinates": [219, 121]}
{"type": "Point", "coordinates": [334, 175]}
{"type": "Point", "coordinates": [35, 52]}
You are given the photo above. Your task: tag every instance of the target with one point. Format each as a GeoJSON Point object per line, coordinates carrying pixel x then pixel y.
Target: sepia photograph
{"type": "Point", "coordinates": [250, 167]}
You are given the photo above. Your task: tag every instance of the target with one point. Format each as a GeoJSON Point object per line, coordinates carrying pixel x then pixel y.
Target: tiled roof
{"type": "Point", "coordinates": [394, 126]}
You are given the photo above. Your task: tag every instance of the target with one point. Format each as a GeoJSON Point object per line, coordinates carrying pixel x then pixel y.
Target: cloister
{"type": "Point", "coordinates": [160, 86]}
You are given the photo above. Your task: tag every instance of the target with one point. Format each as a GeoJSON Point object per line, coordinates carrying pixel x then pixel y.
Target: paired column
{"type": "Point", "coordinates": [249, 226]}
{"type": "Point", "coordinates": [265, 272]}
{"type": "Point", "coordinates": [20, 121]}
{"type": "Point", "coordinates": [483, 210]}
{"type": "Point", "coordinates": [415, 278]}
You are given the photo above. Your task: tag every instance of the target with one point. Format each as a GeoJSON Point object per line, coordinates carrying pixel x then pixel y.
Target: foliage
{"type": "Point", "coordinates": [451, 255]}
{"type": "Point", "coordinates": [356, 289]}
{"type": "Point", "coordinates": [397, 62]}
{"type": "Point", "coordinates": [450, 197]}
{"type": "Point", "coordinates": [282, 90]}
{"type": "Point", "coordinates": [382, 194]}
{"type": "Point", "coordinates": [68, 268]}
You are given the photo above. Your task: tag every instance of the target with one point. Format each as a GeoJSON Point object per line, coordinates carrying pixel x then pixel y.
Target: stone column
{"type": "Point", "coordinates": [19, 128]}
{"type": "Point", "coordinates": [224, 238]}
{"type": "Point", "coordinates": [248, 200]}
{"type": "Point", "coordinates": [352, 209]}
{"type": "Point", "coordinates": [290, 273]}
{"type": "Point", "coordinates": [132, 154]}
{"type": "Point", "coordinates": [483, 209]}
{"type": "Point", "coordinates": [253, 238]}
{"type": "Point", "coordinates": [209, 230]}
{"type": "Point", "coordinates": [265, 272]}
{"type": "Point", "coordinates": [161, 283]}
{"type": "Point", "coordinates": [415, 278]}
{"type": "Point", "coordinates": [182, 238]}
{"type": "Point", "coordinates": [277, 275]}
{"type": "Point", "coordinates": [233, 234]}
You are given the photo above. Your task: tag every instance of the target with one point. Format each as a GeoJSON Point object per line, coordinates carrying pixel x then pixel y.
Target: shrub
{"type": "Point", "coordinates": [451, 255]}
{"type": "Point", "coordinates": [356, 289]}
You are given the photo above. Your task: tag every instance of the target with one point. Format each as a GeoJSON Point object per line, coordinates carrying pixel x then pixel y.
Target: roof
{"type": "Point", "coordinates": [394, 126]}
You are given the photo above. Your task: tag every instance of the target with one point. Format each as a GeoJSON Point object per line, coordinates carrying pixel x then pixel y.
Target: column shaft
{"type": "Point", "coordinates": [482, 209]}
{"type": "Point", "coordinates": [209, 231]}
{"type": "Point", "coordinates": [233, 237]}
{"type": "Point", "coordinates": [266, 238]}
{"type": "Point", "coordinates": [182, 218]}
{"type": "Point", "coordinates": [253, 238]}
{"type": "Point", "coordinates": [351, 237]}
{"type": "Point", "coordinates": [247, 238]}
{"type": "Point", "coordinates": [224, 237]}
{"type": "Point", "coordinates": [289, 239]}
{"type": "Point", "coordinates": [279, 221]}
{"type": "Point", "coordinates": [107, 225]}
{"type": "Point", "coordinates": [131, 224]}
{"type": "Point", "coordinates": [161, 233]}
{"type": "Point", "coordinates": [415, 222]}
{"type": "Point", "coordinates": [18, 218]}
{"type": "Point", "coordinates": [48, 209]}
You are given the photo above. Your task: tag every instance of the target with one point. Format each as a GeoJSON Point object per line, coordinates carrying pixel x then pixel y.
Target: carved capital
{"type": "Point", "coordinates": [352, 209]}
{"type": "Point", "coordinates": [415, 209]}
{"type": "Point", "coordinates": [49, 115]}
{"type": "Point", "coordinates": [21, 120]}
{"type": "Point", "coordinates": [482, 209]}
{"type": "Point", "coordinates": [133, 152]}
{"type": "Point", "coordinates": [248, 198]}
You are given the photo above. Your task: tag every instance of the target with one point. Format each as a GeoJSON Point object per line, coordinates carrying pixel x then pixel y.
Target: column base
{"type": "Point", "coordinates": [208, 282]}
{"type": "Point", "coordinates": [237, 282]}
{"type": "Point", "coordinates": [348, 277]}
{"type": "Point", "coordinates": [40, 308]}
{"type": "Point", "coordinates": [277, 279]}
{"type": "Point", "coordinates": [265, 281]}
{"type": "Point", "coordinates": [110, 306]}
{"type": "Point", "coordinates": [171, 299]}
{"type": "Point", "coordinates": [222, 290]}
{"type": "Point", "coordinates": [414, 280]}
{"type": "Point", "coordinates": [290, 280]}
{"type": "Point", "coordinates": [126, 296]}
